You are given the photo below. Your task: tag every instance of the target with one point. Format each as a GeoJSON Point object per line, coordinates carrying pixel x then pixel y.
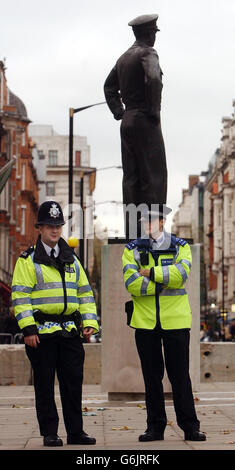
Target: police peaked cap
{"type": "Point", "coordinates": [50, 213]}
{"type": "Point", "coordinates": [159, 210]}
{"type": "Point", "coordinates": [144, 23]}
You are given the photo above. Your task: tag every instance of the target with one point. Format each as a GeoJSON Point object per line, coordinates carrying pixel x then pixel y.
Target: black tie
{"type": "Point", "coordinates": [52, 255]}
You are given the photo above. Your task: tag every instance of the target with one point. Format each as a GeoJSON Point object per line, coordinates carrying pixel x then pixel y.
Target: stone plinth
{"type": "Point", "coordinates": [121, 371]}
{"type": "Point", "coordinates": [217, 362]}
{"type": "Point", "coordinates": [15, 367]}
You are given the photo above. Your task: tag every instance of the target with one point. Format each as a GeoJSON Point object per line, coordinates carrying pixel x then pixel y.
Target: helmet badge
{"type": "Point", "coordinates": [54, 211]}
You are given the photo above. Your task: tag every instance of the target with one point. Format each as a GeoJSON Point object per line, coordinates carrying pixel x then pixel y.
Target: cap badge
{"type": "Point", "coordinates": [54, 211]}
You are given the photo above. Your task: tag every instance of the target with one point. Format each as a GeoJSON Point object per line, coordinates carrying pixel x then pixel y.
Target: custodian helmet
{"type": "Point", "coordinates": [50, 213]}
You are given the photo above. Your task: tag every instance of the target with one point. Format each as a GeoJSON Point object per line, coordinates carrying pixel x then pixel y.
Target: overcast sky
{"type": "Point", "coordinates": [58, 54]}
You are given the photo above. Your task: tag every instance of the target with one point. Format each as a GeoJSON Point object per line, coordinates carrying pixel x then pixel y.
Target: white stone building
{"type": "Point", "coordinates": [219, 220]}
{"type": "Point", "coordinates": [188, 220]}
{"type": "Point", "coordinates": [207, 215]}
{"type": "Point", "coordinates": [53, 151]}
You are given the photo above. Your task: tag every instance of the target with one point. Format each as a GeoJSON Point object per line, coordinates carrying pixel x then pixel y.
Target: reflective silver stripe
{"type": "Point", "coordinates": [25, 289]}
{"type": "Point", "coordinates": [186, 262]}
{"type": "Point", "coordinates": [38, 270]}
{"type": "Point", "coordinates": [86, 300]}
{"type": "Point", "coordinates": [130, 266]}
{"type": "Point", "coordinates": [176, 255]}
{"type": "Point", "coordinates": [173, 292]}
{"type": "Point", "coordinates": [77, 269]}
{"type": "Point", "coordinates": [48, 285]}
{"type": "Point", "coordinates": [136, 256]}
{"type": "Point", "coordinates": [24, 301]}
{"type": "Point", "coordinates": [53, 300]}
{"type": "Point", "coordinates": [182, 271]}
{"type": "Point", "coordinates": [165, 272]}
{"type": "Point", "coordinates": [55, 285]}
{"type": "Point", "coordinates": [39, 274]}
{"type": "Point", "coordinates": [72, 299]}
{"type": "Point", "coordinates": [132, 278]}
{"type": "Point", "coordinates": [83, 289]}
{"type": "Point", "coordinates": [24, 314]}
{"type": "Point", "coordinates": [144, 286]}
{"type": "Point", "coordinates": [71, 285]}
{"type": "Point", "coordinates": [88, 316]}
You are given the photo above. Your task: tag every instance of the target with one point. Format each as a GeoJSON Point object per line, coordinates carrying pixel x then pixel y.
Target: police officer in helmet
{"type": "Point", "coordinates": [54, 304]}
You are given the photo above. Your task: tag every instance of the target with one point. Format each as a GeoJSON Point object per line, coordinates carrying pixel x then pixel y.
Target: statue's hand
{"type": "Point", "coordinates": [155, 117]}
{"type": "Point", "coordinates": [118, 116]}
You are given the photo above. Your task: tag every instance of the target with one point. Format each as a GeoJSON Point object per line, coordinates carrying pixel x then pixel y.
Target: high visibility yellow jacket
{"type": "Point", "coordinates": [53, 287]}
{"type": "Point", "coordinates": [161, 300]}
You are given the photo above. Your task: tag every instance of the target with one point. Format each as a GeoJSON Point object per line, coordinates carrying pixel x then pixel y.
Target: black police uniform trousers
{"type": "Point", "coordinates": [176, 354]}
{"type": "Point", "coordinates": [143, 159]}
{"type": "Point", "coordinates": [64, 355]}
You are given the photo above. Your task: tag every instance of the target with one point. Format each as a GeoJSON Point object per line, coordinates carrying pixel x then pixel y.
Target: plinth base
{"type": "Point", "coordinates": [121, 369]}
{"type": "Point", "coordinates": [116, 396]}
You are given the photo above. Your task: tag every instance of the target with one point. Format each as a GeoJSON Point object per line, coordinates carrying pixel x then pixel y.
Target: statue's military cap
{"type": "Point", "coordinates": [144, 22]}
{"type": "Point", "coordinates": [160, 210]}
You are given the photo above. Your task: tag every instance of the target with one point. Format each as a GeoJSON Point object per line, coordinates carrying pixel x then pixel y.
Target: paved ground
{"type": "Point", "coordinates": [117, 425]}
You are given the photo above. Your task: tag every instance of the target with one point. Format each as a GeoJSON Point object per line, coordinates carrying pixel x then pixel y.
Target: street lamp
{"type": "Point", "coordinates": [84, 173]}
{"type": "Point", "coordinates": [73, 111]}
{"type": "Point", "coordinates": [223, 313]}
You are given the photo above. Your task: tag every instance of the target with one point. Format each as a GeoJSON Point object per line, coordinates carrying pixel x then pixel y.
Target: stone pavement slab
{"type": "Point", "coordinates": [117, 425]}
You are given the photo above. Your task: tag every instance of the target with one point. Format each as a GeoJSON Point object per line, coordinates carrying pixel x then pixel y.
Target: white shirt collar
{"type": "Point", "coordinates": [159, 241]}
{"type": "Point", "coordinates": [48, 249]}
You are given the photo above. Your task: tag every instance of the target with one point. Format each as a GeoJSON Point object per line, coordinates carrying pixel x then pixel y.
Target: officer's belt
{"type": "Point", "coordinates": [41, 317]}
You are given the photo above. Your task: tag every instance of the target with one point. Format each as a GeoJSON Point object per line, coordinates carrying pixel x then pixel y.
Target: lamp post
{"type": "Point", "coordinates": [84, 173]}
{"type": "Point", "coordinates": [73, 111]}
{"type": "Point", "coordinates": [223, 277]}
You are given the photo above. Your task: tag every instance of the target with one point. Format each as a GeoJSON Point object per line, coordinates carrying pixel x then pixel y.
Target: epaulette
{"type": "Point", "coordinates": [178, 241]}
{"type": "Point", "coordinates": [139, 243]}
{"type": "Point", "coordinates": [26, 253]}
{"type": "Point", "coordinates": [131, 245]}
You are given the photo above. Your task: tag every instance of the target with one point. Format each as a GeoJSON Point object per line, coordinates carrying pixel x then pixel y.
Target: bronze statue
{"type": "Point", "coordinates": [133, 93]}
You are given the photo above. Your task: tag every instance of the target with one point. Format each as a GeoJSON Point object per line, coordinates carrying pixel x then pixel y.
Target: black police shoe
{"type": "Point", "coordinates": [81, 438]}
{"type": "Point", "coordinates": [151, 435]}
{"type": "Point", "coordinates": [194, 436]}
{"type": "Point", "coordinates": [52, 441]}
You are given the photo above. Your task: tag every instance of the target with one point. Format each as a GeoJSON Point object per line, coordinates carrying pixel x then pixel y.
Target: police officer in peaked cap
{"type": "Point", "coordinates": [133, 93]}
{"type": "Point", "coordinates": [155, 269]}
{"type": "Point", "coordinates": [54, 306]}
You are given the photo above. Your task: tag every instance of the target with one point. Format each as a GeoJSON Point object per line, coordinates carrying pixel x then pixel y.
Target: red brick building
{"type": "Point", "coordinates": [19, 196]}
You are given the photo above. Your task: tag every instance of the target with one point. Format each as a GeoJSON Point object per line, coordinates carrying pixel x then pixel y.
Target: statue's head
{"type": "Point", "coordinates": [145, 28]}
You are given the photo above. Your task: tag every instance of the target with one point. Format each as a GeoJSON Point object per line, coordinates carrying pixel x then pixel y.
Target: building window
{"type": "Point", "coordinates": [230, 243]}
{"type": "Point", "coordinates": [23, 221]}
{"type": "Point", "coordinates": [77, 188]}
{"type": "Point", "coordinates": [50, 188]}
{"type": "Point", "coordinates": [78, 158]}
{"type": "Point", "coordinates": [41, 155]}
{"type": "Point", "coordinates": [53, 157]}
{"type": "Point", "coordinates": [23, 177]}
{"type": "Point", "coordinates": [230, 207]}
